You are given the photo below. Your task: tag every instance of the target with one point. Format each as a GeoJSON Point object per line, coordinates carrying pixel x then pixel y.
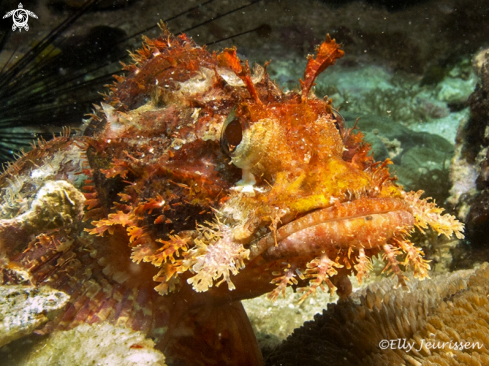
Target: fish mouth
{"type": "Point", "coordinates": [363, 223]}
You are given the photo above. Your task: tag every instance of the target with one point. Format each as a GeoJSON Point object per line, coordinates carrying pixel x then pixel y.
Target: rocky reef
{"type": "Point", "coordinates": [100, 344]}
{"type": "Point", "coordinates": [470, 167]}
{"type": "Point", "coordinates": [194, 185]}
{"type": "Point", "coordinates": [25, 308]}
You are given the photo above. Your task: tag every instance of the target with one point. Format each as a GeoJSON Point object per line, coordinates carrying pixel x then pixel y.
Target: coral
{"type": "Point", "coordinates": [25, 308]}
{"type": "Point", "coordinates": [436, 310]}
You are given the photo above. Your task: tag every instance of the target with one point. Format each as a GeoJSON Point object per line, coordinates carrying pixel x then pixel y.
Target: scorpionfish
{"type": "Point", "coordinates": [197, 183]}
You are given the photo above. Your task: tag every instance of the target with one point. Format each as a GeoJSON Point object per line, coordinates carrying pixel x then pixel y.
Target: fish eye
{"type": "Point", "coordinates": [232, 135]}
{"type": "Point", "coordinates": [244, 142]}
{"type": "Point", "coordinates": [339, 121]}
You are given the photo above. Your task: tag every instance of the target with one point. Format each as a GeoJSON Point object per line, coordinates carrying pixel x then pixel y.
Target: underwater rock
{"type": "Point", "coordinates": [455, 90]}
{"type": "Point", "coordinates": [99, 344]}
{"type": "Point", "coordinates": [25, 308]}
{"type": "Point", "coordinates": [425, 166]}
{"type": "Point", "coordinates": [470, 166]}
{"type": "Point", "coordinates": [421, 159]}
{"type": "Point", "coordinates": [389, 130]}
{"type": "Point", "coordinates": [437, 310]}
{"type": "Point", "coordinates": [54, 205]}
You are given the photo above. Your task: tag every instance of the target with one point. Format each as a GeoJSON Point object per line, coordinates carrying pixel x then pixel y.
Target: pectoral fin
{"type": "Point", "coordinates": [213, 335]}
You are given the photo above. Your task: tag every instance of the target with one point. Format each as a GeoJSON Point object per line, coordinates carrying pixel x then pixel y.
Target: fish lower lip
{"type": "Point", "coordinates": [363, 223]}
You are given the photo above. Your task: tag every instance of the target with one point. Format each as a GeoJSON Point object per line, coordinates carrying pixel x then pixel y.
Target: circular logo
{"type": "Point", "coordinates": [20, 17]}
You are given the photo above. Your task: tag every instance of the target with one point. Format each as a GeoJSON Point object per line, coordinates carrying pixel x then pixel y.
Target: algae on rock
{"type": "Point", "coordinates": [25, 308]}
{"type": "Point", "coordinates": [101, 344]}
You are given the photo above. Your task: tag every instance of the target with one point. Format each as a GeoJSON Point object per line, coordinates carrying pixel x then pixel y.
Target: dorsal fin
{"type": "Point", "coordinates": [229, 58]}
{"type": "Point", "coordinates": [327, 54]}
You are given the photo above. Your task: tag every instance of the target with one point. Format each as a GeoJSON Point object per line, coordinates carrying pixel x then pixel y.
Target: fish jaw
{"type": "Point", "coordinates": [330, 244]}
{"type": "Point", "coordinates": [365, 223]}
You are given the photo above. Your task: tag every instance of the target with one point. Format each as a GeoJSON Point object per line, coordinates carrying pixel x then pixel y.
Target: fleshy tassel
{"type": "Point", "coordinates": [283, 280]}
{"type": "Point", "coordinates": [219, 259]}
{"type": "Point", "coordinates": [320, 269]}
{"type": "Point", "coordinates": [363, 267]}
{"type": "Point", "coordinates": [427, 213]}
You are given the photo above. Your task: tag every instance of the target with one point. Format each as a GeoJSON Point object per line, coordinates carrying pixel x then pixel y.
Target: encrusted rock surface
{"type": "Point", "coordinates": [86, 345]}
{"type": "Point", "coordinates": [470, 164]}
{"type": "Point", "coordinates": [25, 308]}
